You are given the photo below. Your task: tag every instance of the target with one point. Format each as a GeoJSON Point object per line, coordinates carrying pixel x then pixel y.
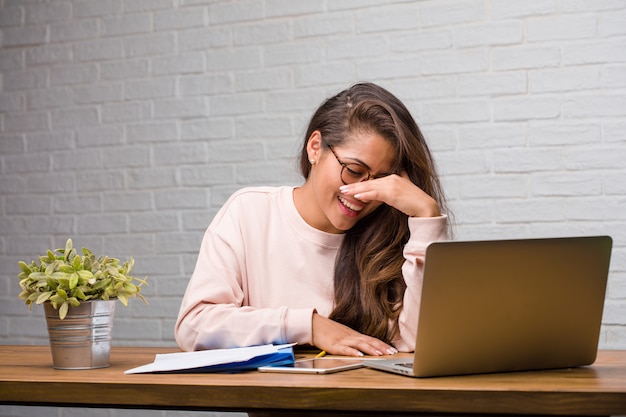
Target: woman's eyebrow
{"type": "Point", "coordinates": [358, 161]}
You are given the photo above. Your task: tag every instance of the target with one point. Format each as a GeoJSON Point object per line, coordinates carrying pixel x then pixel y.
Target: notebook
{"type": "Point", "coordinates": [508, 305]}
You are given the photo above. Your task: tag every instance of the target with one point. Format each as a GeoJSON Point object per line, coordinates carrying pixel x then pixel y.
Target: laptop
{"type": "Point", "coordinates": [508, 305]}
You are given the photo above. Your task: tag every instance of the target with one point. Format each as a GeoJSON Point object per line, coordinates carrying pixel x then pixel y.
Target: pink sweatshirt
{"type": "Point", "coordinates": [262, 271]}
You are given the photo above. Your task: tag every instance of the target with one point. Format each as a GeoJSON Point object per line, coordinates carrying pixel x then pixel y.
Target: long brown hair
{"type": "Point", "coordinates": [369, 286]}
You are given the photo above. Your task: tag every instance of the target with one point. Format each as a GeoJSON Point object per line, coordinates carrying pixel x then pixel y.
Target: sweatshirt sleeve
{"type": "Point", "coordinates": [214, 311]}
{"type": "Point", "coordinates": [423, 231]}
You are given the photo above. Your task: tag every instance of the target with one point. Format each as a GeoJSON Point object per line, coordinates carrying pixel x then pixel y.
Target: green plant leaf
{"type": "Point", "coordinates": [37, 276]}
{"type": "Point", "coordinates": [78, 292]}
{"type": "Point", "coordinates": [87, 263]}
{"type": "Point", "coordinates": [102, 283]}
{"type": "Point", "coordinates": [63, 310]}
{"type": "Point", "coordinates": [24, 267]}
{"type": "Point", "coordinates": [52, 283]}
{"type": "Point", "coordinates": [68, 247]}
{"type": "Point", "coordinates": [85, 274]}
{"type": "Point", "coordinates": [77, 263]}
{"type": "Point", "coordinates": [123, 299]}
{"type": "Point", "coordinates": [50, 268]}
{"type": "Point", "coordinates": [45, 296]}
{"type": "Point", "coordinates": [56, 299]}
{"type": "Point", "coordinates": [67, 269]}
{"type": "Point", "coordinates": [73, 280]}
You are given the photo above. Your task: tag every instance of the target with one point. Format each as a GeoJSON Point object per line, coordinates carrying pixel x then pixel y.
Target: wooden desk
{"type": "Point", "coordinates": [27, 378]}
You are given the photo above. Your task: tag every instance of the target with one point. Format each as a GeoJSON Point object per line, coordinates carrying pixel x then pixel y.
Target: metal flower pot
{"type": "Point", "coordinates": [83, 339]}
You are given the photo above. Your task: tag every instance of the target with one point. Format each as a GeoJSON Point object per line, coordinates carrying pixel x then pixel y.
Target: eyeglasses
{"type": "Point", "coordinates": [353, 172]}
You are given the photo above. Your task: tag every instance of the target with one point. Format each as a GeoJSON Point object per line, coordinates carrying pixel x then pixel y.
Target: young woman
{"type": "Point", "coordinates": [337, 262]}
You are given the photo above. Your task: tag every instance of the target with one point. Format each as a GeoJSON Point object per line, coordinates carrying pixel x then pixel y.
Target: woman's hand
{"type": "Point", "coordinates": [396, 191]}
{"type": "Point", "coordinates": [337, 339]}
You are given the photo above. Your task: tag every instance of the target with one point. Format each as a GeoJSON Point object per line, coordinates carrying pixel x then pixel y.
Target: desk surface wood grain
{"type": "Point", "coordinates": [27, 378]}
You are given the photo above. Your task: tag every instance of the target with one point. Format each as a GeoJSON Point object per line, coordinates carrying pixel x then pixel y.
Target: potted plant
{"type": "Point", "coordinates": [78, 293]}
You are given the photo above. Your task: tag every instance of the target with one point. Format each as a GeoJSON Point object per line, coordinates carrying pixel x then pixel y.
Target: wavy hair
{"type": "Point", "coordinates": [369, 286]}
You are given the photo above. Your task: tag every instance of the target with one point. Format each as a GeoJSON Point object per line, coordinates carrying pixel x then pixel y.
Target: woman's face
{"type": "Point", "coordinates": [326, 208]}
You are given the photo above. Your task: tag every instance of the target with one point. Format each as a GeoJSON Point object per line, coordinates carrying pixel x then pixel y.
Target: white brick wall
{"type": "Point", "coordinates": [125, 124]}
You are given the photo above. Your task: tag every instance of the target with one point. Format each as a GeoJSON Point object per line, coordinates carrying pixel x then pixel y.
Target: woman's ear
{"type": "Point", "coordinates": [314, 147]}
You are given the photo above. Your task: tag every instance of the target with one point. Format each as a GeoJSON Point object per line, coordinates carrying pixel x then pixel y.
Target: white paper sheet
{"type": "Point", "coordinates": [189, 360]}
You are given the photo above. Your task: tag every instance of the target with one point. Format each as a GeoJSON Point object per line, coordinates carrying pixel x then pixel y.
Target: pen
{"type": "Point", "coordinates": [321, 354]}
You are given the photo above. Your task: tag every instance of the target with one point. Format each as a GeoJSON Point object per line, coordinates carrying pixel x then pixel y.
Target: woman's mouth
{"type": "Point", "coordinates": [349, 205]}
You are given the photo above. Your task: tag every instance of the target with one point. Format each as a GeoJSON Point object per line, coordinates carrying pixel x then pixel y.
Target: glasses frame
{"type": "Point", "coordinates": [344, 166]}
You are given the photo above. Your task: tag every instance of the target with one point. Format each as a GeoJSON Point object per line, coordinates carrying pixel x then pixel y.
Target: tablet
{"type": "Point", "coordinates": [316, 366]}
